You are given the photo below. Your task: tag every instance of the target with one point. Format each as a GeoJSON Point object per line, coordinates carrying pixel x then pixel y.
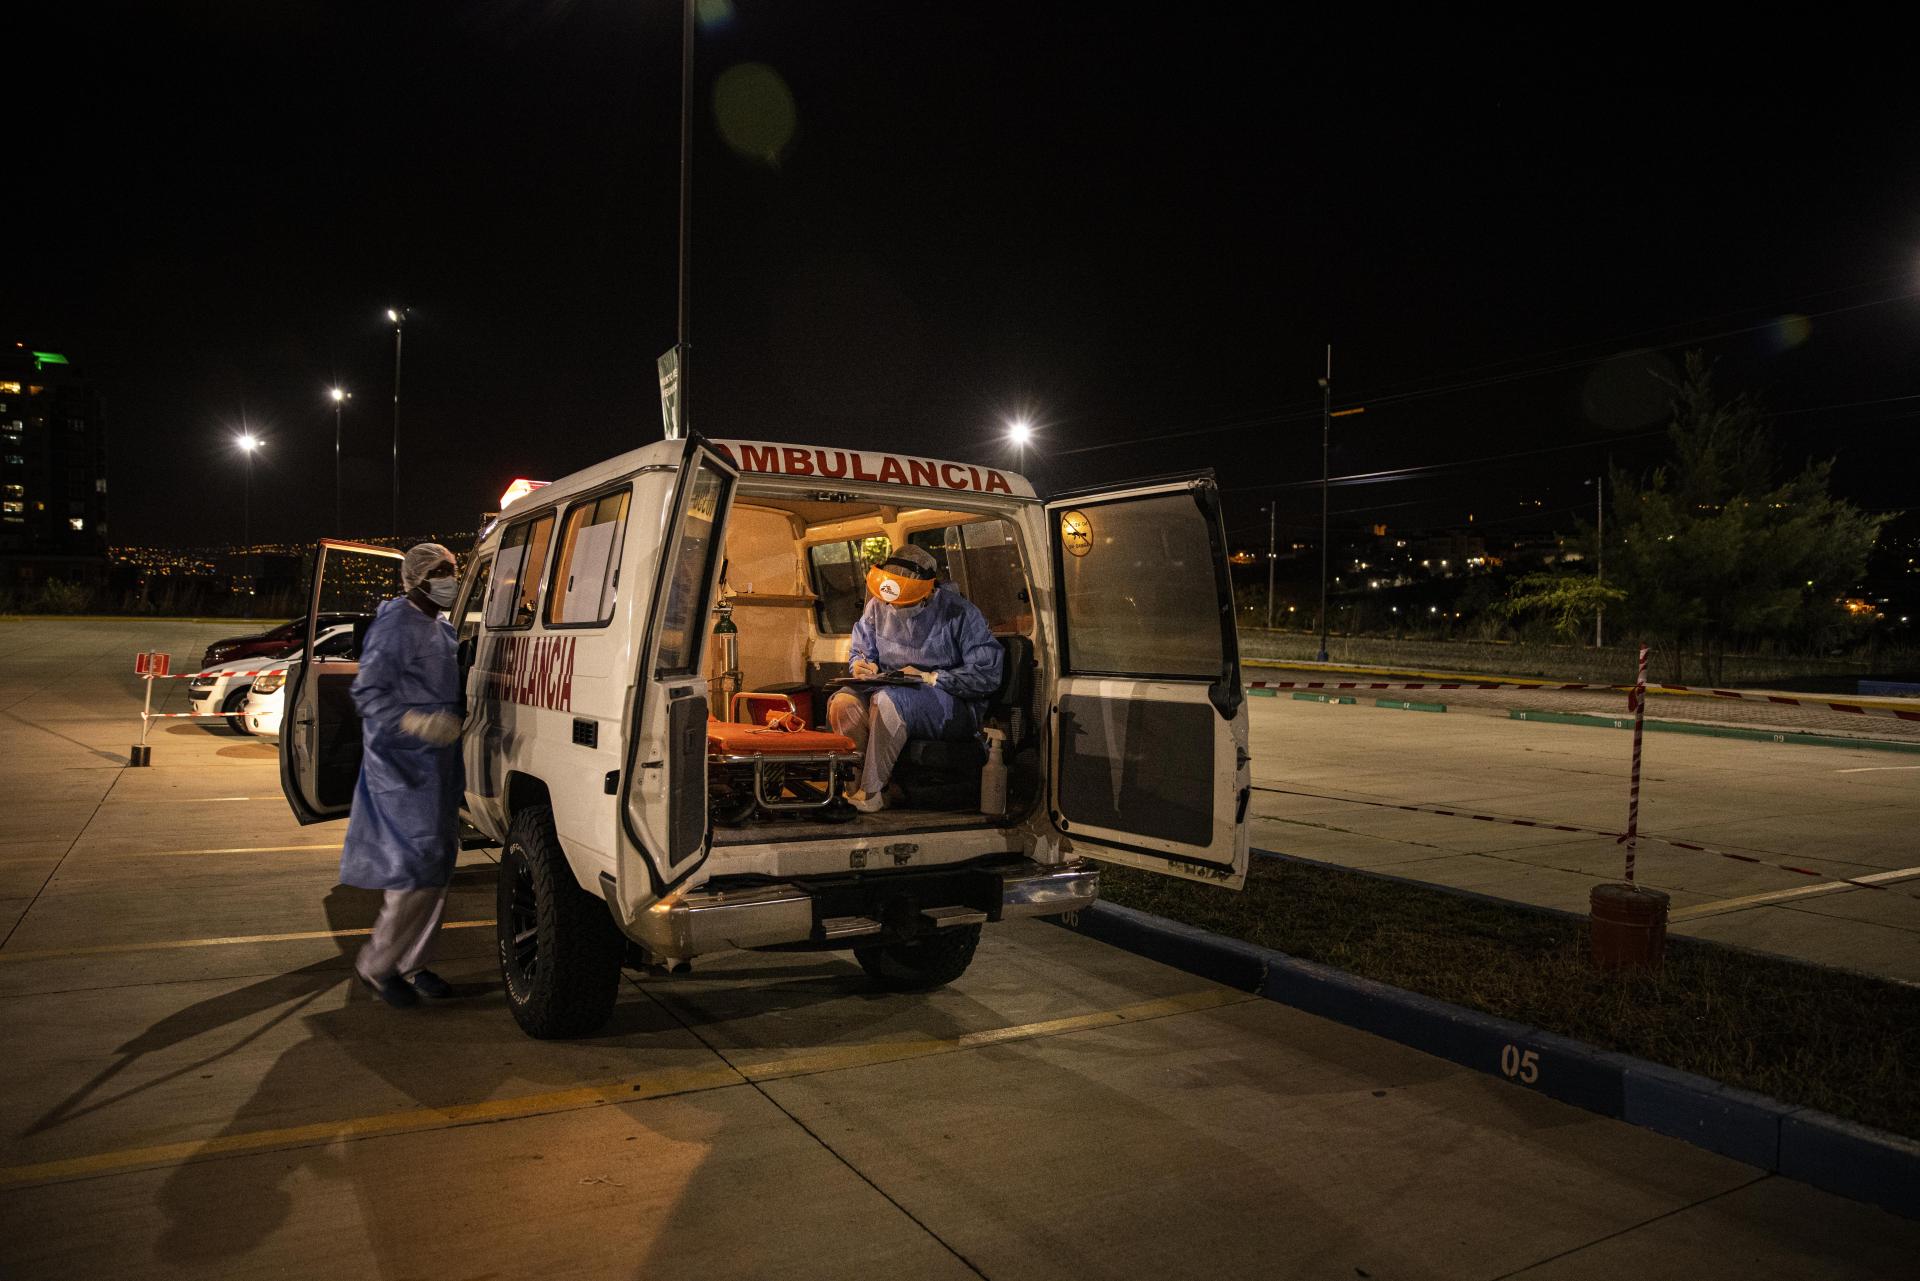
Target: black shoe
{"type": "Point", "coordinates": [429, 984]}
{"type": "Point", "coordinates": [394, 992]}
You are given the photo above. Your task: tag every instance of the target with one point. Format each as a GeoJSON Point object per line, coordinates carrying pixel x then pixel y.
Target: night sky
{"type": "Point", "coordinates": [913, 221]}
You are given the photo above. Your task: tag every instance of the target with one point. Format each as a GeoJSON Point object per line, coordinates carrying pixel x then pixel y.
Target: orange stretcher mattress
{"type": "Point", "coordinates": [729, 738]}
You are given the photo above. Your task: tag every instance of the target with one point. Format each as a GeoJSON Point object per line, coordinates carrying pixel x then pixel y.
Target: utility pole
{"type": "Point", "coordinates": [1326, 434]}
{"type": "Point", "coordinates": [1271, 519]}
{"type": "Point", "coordinates": [1600, 551]}
{"type": "Point", "coordinates": [686, 213]}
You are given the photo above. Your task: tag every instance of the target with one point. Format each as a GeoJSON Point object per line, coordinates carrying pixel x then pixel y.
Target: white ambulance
{"type": "Point", "coordinates": [649, 646]}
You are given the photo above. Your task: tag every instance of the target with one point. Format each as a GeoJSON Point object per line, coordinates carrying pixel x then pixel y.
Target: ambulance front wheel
{"type": "Point", "coordinates": [560, 951]}
{"type": "Point", "coordinates": [923, 964]}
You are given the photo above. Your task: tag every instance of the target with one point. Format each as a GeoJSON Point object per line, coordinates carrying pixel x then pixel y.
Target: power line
{"type": "Point", "coordinates": [1307, 412]}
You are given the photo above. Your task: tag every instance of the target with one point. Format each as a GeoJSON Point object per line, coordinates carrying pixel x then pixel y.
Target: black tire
{"type": "Point", "coordinates": [560, 951]}
{"type": "Point", "coordinates": [925, 963]}
{"type": "Point", "coordinates": [235, 708]}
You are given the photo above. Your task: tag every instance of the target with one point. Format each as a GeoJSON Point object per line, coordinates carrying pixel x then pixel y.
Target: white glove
{"type": "Point", "coordinates": [931, 678]}
{"type": "Point", "coordinates": [438, 728]}
{"type": "Point", "coordinates": [861, 669]}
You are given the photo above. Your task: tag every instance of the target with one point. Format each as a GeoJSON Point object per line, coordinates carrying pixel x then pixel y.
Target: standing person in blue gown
{"type": "Point", "coordinates": [404, 833]}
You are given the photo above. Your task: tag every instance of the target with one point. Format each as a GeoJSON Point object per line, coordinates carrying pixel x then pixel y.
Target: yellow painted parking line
{"type": "Point", "coordinates": [1778, 896]}
{"type": "Point", "coordinates": [111, 949]}
{"type": "Point", "coordinates": [231, 849]}
{"type": "Point", "coordinates": [650, 1085]}
{"type": "Point", "coordinates": [831, 1060]}
{"type": "Point", "coordinates": [629, 1089]}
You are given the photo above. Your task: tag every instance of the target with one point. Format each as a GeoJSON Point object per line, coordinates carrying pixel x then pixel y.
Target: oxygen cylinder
{"type": "Point", "coordinates": [993, 775]}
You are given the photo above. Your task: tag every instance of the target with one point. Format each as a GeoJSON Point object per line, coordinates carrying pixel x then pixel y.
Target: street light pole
{"type": "Point", "coordinates": [339, 397]}
{"type": "Point", "coordinates": [1326, 435]}
{"type": "Point", "coordinates": [1272, 518]}
{"type": "Point", "coordinates": [399, 317]}
{"type": "Point", "coordinates": [247, 442]}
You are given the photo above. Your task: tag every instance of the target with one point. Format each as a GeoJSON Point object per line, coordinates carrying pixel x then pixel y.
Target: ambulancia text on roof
{"type": "Point", "coordinates": [855, 465]}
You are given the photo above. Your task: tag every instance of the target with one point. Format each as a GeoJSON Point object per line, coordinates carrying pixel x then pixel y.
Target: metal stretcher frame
{"type": "Point", "coordinates": [833, 761]}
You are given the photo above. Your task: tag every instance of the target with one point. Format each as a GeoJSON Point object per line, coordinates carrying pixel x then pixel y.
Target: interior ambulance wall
{"type": "Point", "coordinates": [770, 596]}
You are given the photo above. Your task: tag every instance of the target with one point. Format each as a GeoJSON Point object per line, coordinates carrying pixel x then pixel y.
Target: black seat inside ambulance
{"type": "Point", "coordinates": [941, 775]}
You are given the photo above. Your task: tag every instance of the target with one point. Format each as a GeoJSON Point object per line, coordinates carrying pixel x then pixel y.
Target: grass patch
{"type": "Point", "coordinates": [1843, 1043]}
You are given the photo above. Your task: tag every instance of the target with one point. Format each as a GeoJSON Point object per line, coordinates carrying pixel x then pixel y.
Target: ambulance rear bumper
{"type": "Point", "coordinates": [692, 923]}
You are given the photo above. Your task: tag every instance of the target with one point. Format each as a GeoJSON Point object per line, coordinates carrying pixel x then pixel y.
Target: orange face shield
{"type": "Point", "coordinates": [898, 589]}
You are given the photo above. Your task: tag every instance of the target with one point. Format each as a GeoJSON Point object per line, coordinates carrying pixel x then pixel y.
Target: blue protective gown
{"type": "Point", "coordinates": [946, 634]}
{"type": "Point", "coordinates": [404, 833]}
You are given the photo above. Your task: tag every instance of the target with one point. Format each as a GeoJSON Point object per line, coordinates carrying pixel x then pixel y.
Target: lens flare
{"type": "Point", "coordinates": [1786, 333]}
{"type": "Point", "coordinates": [755, 113]}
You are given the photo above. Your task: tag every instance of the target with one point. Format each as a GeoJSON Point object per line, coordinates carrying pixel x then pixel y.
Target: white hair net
{"type": "Point", "coordinates": [420, 561]}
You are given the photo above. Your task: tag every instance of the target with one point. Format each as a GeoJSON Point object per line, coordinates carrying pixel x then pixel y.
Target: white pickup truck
{"type": "Point", "coordinates": [627, 630]}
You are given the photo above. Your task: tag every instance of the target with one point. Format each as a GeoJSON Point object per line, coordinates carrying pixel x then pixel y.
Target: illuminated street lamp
{"type": "Point", "coordinates": [247, 443]}
{"type": "Point", "coordinates": [340, 397]}
{"type": "Point", "coordinates": [1020, 431]}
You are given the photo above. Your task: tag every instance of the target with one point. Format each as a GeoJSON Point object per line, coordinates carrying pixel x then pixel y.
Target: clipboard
{"type": "Point", "coordinates": [884, 678]}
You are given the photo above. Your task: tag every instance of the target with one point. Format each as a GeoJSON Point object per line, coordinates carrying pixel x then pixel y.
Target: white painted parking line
{"type": "Point", "coordinates": [1874, 769]}
{"type": "Point", "coordinates": [1782, 896]}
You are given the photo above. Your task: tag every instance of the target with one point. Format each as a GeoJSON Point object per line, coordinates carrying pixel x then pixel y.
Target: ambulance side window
{"type": "Point", "coordinates": [588, 571]}
{"type": "Point", "coordinates": [515, 587]}
{"type": "Point", "coordinates": [468, 612]}
{"type": "Point", "coordinates": [839, 574]}
{"type": "Point", "coordinates": [982, 561]}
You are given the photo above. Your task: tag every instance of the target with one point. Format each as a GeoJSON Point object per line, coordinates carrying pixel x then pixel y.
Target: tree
{"type": "Point", "coordinates": [1567, 601]}
{"type": "Point", "coordinates": [1714, 551]}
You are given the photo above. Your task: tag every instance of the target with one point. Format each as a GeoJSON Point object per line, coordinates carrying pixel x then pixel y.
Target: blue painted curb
{"type": "Point", "coordinates": [1832, 1154]}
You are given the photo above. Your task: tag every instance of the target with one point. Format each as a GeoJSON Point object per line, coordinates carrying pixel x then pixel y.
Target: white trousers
{"type": "Point", "coordinates": [876, 728]}
{"type": "Point", "coordinates": [403, 936]}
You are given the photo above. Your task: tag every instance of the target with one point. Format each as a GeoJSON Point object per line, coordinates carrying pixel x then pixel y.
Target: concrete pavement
{"type": "Point", "coordinates": [195, 1089]}
{"type": "Point", "coordinates": [1332, 776]}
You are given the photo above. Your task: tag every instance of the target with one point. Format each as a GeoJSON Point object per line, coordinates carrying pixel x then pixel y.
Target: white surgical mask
{"type": "Point", "coordinates": [441, 590]}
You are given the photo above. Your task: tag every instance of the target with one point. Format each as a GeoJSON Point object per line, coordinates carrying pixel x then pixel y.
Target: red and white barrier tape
{"type": "Point", "coordinates": [194, 676]}
{"type": "Point", "coordinates": [1638, 701]}
{"type": "Point", "coordinates": [168, 716]}
{"type": "Point", "coordinates": [1785, 700]}
{"type": "Point", "coordinates": [1616, 837]}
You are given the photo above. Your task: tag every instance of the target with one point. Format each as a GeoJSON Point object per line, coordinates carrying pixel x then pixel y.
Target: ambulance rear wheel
{"type": "Point", "coordinates": [923, 964]}
{"type": "Point", "coordinates": [560, 951]}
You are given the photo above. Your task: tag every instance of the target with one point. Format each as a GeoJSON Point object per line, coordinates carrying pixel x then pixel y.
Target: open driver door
{"type": "Point", "coordinates": [320, 740]}
{"type": "Point", "coordinates": [1150, 762]}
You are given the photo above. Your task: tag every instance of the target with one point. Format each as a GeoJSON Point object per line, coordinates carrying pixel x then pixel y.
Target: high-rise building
{"type": "Point", "coordinates": [53, 472]}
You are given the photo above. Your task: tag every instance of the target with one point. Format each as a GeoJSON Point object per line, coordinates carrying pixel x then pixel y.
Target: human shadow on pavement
{"type": "Point", "coordinates": [360, 1059]}
{"type": "Point", "coordinates": [346, 908]}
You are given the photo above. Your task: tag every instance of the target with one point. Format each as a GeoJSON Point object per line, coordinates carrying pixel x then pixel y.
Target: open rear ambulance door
{"type": "Point", "coordinates": [1150, 762]}
{"type": "Point", "coordinates": [664, 806]}
{"type": "Point", "coordinates": [320, 729]}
